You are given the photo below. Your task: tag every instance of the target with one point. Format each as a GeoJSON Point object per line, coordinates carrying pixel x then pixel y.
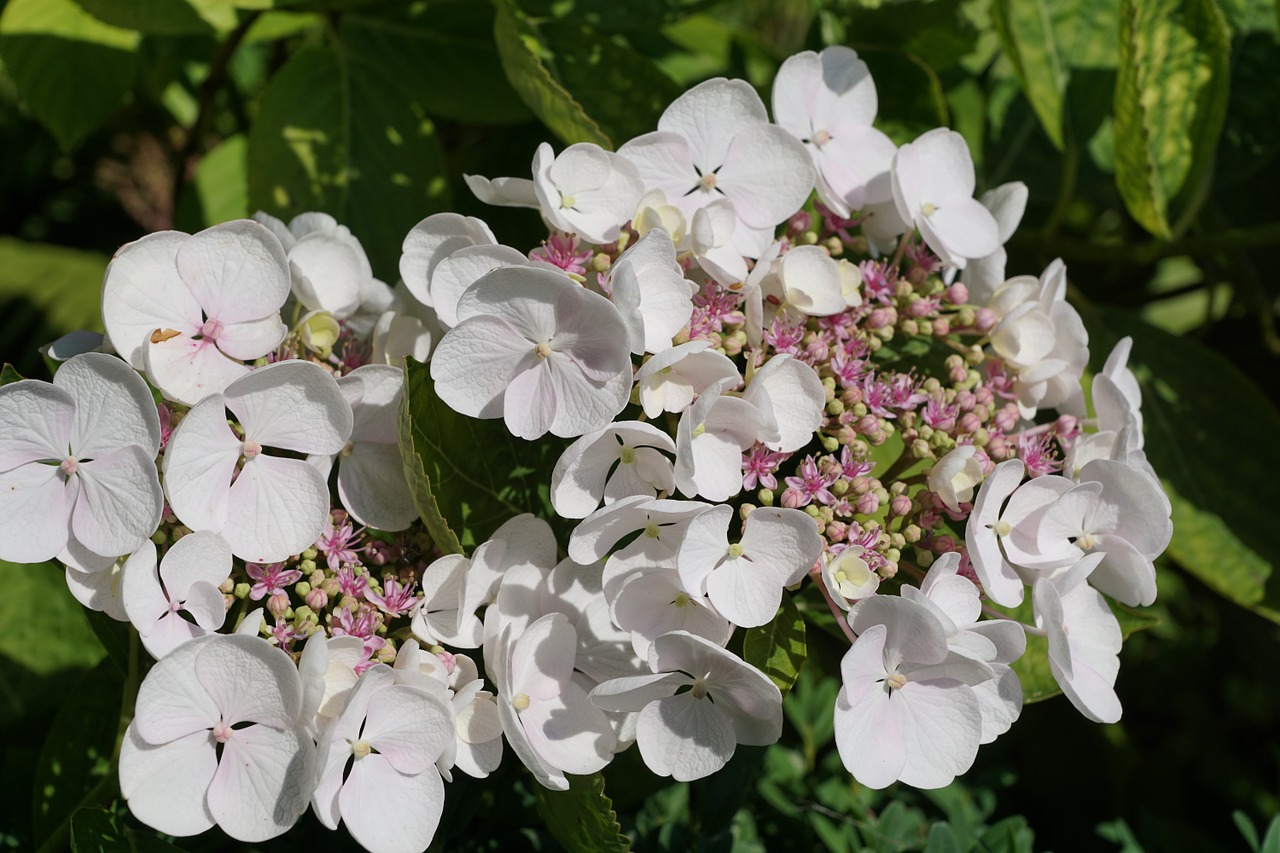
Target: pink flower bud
{"type": "Point", "coordinates": [868, 424]}
{"type": "Point", "coordinates": [969, 423]}
{"type": "Point", "coordinates": [919, 308]}
{"type": "Point", "coordinates": [867, 504]}
{"type": "Point", "coordinates": [984, 320]}
{"type": "Point", "coordinates": [881, 317]}
{"type": "Point", "coordinates": [957, 294]}
{"type": "Point", "coordinates": [447, 658]}
{"type": "Point", "coordinates": [900, 505]}
{"type": "Point", "coordinates": [278, 603]}
{"type": "Point", "coordinates": [941, 327]}
{"type": "Point", "coordinates": [793, 498]}
{"type": "Point", "coordinates": [836, 531]}
{"type": "Point", "coordinates": [944, 544]}
{"type": "Point", "coordinates": [317, 599]}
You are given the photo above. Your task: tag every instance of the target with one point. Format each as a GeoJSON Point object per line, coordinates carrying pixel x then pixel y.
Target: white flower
{"type": "Point", "coordinates": [463, 268]}
{"type": "Point", "coordinates": [906, 710]}
{"type": "Point", "coordinates": [612, 463]}
{"type": "Point", "coordinates": [744, 580]}
{"type": "Point", "coordinates": [191, 310]}
{"type": "Point", "coordinates": [450, 596]}
{"type": "Point", "coordinates": [371, 482]}
{"type": "Point", "coordinates": [714, 142]}
{"type": "Point", "coordinates": [329, 268]}
{"type": "Point", "coordinates": [77, 465]}
{"type": "Point", "coordinates": [187, 580]}
{"type": "Point", "coordinates": [692, 734]}
{"type": "Point", "coordinates": [189, 761]}
{"type": "Point", "coordinates": [983, 276]}
{"type": "Point", "coordinates": [790, 399]}
{"type": "Point", "coordinates": [327, 668]}
{"type": "Point", "coordinates": [828, 102]}
{"type": "Point", "coordinates": [710, 439]}
{"type": "Point", "coordinates": [848, 577]}
{"type": "Point", "coordinates": [933, 183]}
{"type": "Point", "coordinates": [954, 476]}
{"type": "Point", "coordinates": [537, 350]}
{"type": "Point", "coordinates": [651, 292]}
{"type": "Point", "coordinates": [276, 506]}
{"type": "Point", "coordinates": [431, 241]}
{"type": "Point", "coordinates": [546, 715]}
{"type": "Point", "coordinates": [650, 604]}
{"type": "Point", "coordinates": [670, 380]}
{"type": "Point", "coordinates": [392, 734]}
{"type": "Point", "coordinates": [478, 745]}
{"type": "Point", "coordinates": [805, 280]}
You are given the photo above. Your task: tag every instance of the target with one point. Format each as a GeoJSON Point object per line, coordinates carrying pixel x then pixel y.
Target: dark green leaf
{"type": "Point", "coordinates": [942, 839]}
{"type": "Point", "coordinates": [1171, 97]}
{"type": "Point", "coordinates": [612, 16]}
{"type": "Point", "coordinates": [468, 475]}
{"type": "Point", "coordinates": [164, 17]}
{"type": "Point", "coordinates": [70, 69]}
{"type": "Point", "coordinates": [344, 130]}
{"type": "Point", "coordinates": [101, 831]}
{"type": "Point", "coordinates": [1220, 522]}
{"type": "Point", "coordinates": [113, 635]}
{"type": "Point", "coordinates": [1027, 36]}
{"type": "Point", "coordinates": [778, 648]}
{"type": "Point", "coordinates": [582, 818]}
{"type": "Point", "coordinates": [77, 753]}
{"type": "Point", "coordinates": [8, 374]}
{"type": "Point", "coordinates": [220, 189]}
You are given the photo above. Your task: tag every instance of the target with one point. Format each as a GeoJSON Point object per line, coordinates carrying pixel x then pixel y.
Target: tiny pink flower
{"type": "Point", "coordinates": [336, 540]}
{"type": "Point", "coordinates": [561, 250]}
{"type": "Point", "coordinates": [759, 465]}
{"type": "Point", "coordinates": [270, 579]}
{"type": "Point", "coordinates": [396, 598]}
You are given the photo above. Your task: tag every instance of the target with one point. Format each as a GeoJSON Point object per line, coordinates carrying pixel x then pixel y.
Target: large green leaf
{"type": "Point", "coordinates": [1170, 101]}
{"type": "Point", "coordinates": [165, 17]}
{"type": "Point", "coordinates": [343, 129]}
{"type": "Point", "coordinates": [612, 16]}
{"type": "Point", "coordinates": [468, 475]}
{"type": "Point", "coordinates": [1027, 35]}
{"type": "Point", "coordinates": [582, 818]}
{"type": "Point", "coordinates": [100, 831]}
{"type": "Point", "coordinates": [778, 648]}
{"type": "Point", "coordinates": [219, 191]}
{"type": "Point", "coordinates": [70, 69]}
{"type": "Point", "coordinates": [1221, 516]}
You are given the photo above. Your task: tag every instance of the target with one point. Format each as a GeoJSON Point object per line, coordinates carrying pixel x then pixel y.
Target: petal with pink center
{"type": "Point", "coordinates": [165, 785]}
{"type": "Point", "coordinates": [142, 292]}
{"type": "Point", "coordinates": [172, 703]}
{"type": "Point", "coordinates": [237, 271]}
{"type": "Point", "coordinates": [263, 783]}
{"type": "Point", "coordinates": [188, 370]}
{"type": "Point", "coordinates": [199, 463]}
{"type": "Point", "coordinates": [293, 405]}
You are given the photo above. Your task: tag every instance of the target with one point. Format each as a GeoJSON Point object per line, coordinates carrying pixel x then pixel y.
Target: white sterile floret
{"type": "Point", "coordinates": [933, 182]}
{"type": "Point", "coordinates": [77, 463]}
{"type": "Point", "coordinates": [551, 725]}
{"type": "Point", "coordinates": [983, 276]}
{"type": "Point", "coordinates": [715, 142]}
{"type": "Point", "coordinates": [266, 507]}
{"type": "Point", "coordinates": [327, 668]}
{"type": "Point", "coordinates": [371, 481]}
{"type": "Point", "coordinates": [691, 734]}
{"type": "Point", "coordinates": [744, 579]}
{"type": "Point", "coordinates": [391, 734]}
{"type": "Point", "coordinates": [828, 101]}
{"type": "Point", "coordinates": [616, 462]}
{"type": "Point", "coordinates": [478, 729]}
{"type": "Point", "coordinates": [1084, 640]}
{"type": "Point", "coordinates": [537, 350]}
{"type": "Point", "coordinates": [710, 439]}
{"type": "Point", "coordinates": [329, 268]}
{"type": "Point", "coordinates": [805, 281]}
{"type": "Point", "coordinates": [186, 581]}
{"type": "Point", "coordinates": [650, 604]}
{"type": "Point", "coordinates": [848, 577]}
{"type": "Point", "coordinates": [450, 597]}
{"type": "Point", "coordinates": [954, 476]}
{"type": "Point", "coordinates": [408, 328]}
{"type": "Point", "coordinates": [191, 310]}
{"type": "Point", "coordinates": [906, 710]}
{"type": "Point", "coordinates": [216, 739]}
{"type": "Point", "coordinates": [790, 399]}
{"type": "Point", "coordinates": [431, 241]}
{"type": "Point", "coordinates": [651, 292]}
{"type": "Point", "coordinates": [670, 380]}
{"type": "Point", "coordinates": [604, 649]}
{"type": "Point", "coordinates": [720, 242]}
{"type": "Point", "coordinates": [100, 588]}
{"type": "Point", "coordinates": [463, 268]}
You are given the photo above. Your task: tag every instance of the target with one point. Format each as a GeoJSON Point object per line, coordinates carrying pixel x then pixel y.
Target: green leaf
{"type": "Point", "coordinates": [113, 635]}
{"type": "Point", "coordinates": [165, 17]}
{"type": "Point", "coordinates": [778, 648]}
{"type": "Point", "coordinates": [612, 16]}
{"type": "Point", "coordinates": [219, 191]}
{"type": "Point", "coordinates": [100, 831]}
{"type": "Point", "coordinates": [77, 754]}
{"type": "Point", "coordinates": [343, 129]}
{"type": "Point", "coordinates": [70, 69]}
{"type": "Point", "coordinates": [1171, 98]}
{"type": "Point", "coordinates": [1221, 522]}
{"type": "Point", "coordinates": [942, 839]}
{"type": "Point", "coordinates": [1271, 841]}
{"type": "Point", "coordinates": [1246, 827]}
{"type": "Point", "coordinates": [1027, 36]}
{"type": "Point", "coordinates": [8, 374]}
{"type": "Point", "coordinates": [582, 818]}
{"type": "Point", "coordinates": [468, 476]}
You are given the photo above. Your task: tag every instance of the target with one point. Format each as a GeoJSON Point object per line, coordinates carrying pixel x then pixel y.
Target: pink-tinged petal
{"type": "Point", "coordinates": [326, 273]}
{"type": "Point", "coordinates": [431, 241]}
{"type": "Point", "coordinates": [569, 732]}
{"type": "Point", "coordinates": [171, 701]}
{"type": "Point", "coordinates": [372, 487]}
{"type": "Point", "coordinates": [170, 632]}
{"type": "Point", "coordinates": [1124, 574]}
{"type": "Point", "coordinates": [250, 680]}
{"type": "Point", "coordinates": [583, 405]}
{"type": "Point", "coordinates": [476, 361]}
{"type": "Point", "coordinates": [529, 406]}
{"type": "Point", "coordinates": [589, 330]}
{"type": "Point", "coordinates": [35, 506]}
{"type": "Point", "coordinates": [252, 339]}
{"type": "Point", "coordinates": [941, 725]}
{"type": "Point", "coordinates": [464, 268]}
{"type": "Point", "coordinates": [36, 421]}
{"type": "Point", "coordinates": [142, 292]}
{"type": "Point", "coordinates": [276, 508]}
{"type": "Point", "coordinates": [795, 93]}
{"type": "Point", "coordinates": [237, 271]}
{"type": "Point", "coordinates": [409, 823]}
{"type": "Point", "coordinates": [685, 738]}
{"type": "Point", "coordinates": [145, 602]}
{"type": "Point", "coordinates": [199, 463]}
{"type": "Point", "coordinates": [120, 501]}
{"type": "Point", "coordinates": [767, 175]}
{"type": "Point", "coordinates": [293, 405]}
{"type": "Point", "coordinates": [196, 557]}
{"type": "Point", "coordinates": [165, 785]}
{"type": "Point", "coordinates": [869, 738]}
{"type": "Point", "coordinates": [263, 783]}
{"type": "Point", "coordinates": [114, 406]}
{"type": "Point", "coordinates": [710, 116]}
{"type": "Point", "coordinates": [186, 370]}
{"type": "Point", "coordinates": [965, 228]}
{"type": "Point", "coordinates": [408, 727]}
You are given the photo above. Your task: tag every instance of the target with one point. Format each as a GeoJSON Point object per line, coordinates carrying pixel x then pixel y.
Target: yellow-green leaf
{"type": "Point", "coordinates": [1026, 34]}
{"type": "Point", "coordinates": [778, 649]}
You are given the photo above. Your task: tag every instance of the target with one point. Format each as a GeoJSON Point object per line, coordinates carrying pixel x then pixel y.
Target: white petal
{"type": "Point", "coordinates": [569, 732]}
{"type": "Point", "coordinates": [237, 271]}
{"type": "Point", "coordinates": [869, 738]}
{"type": "Point", "coordinates": [263, 783]}
{"type": "Point", "coordinates": [409, 824]}
{"type": "Point", "coordinates": [463, 268]}
{"type": "Point", "coordinates": [165, 785]}
{"type": "Point", "coordinates": [684, 737]}
{"type": "Point", "coordinates": [35, 507]}
{"type": "Point", "coordinates": [120, 501]}
{"type": "Point", "coordinates": [373, 488]}
{"type": "Point", "coordinates": [114, 407]}
{"type": "Point", "coordinates": [293, 405]}
{"type": "Point", "coordinates": [326, 273]}
{"type": "Point", "coordinates": [710, 115]}
{"type": "Point", "coordinates": [475, 362]}
{"type": "Point", "coordinates": [408, 727]}
{"type": "Point", "coordinates": [941, 725]}
{"type": "Point", "coordinates": [142, 292]}
{"type": "Point", "coordinates": [196, 557]}
{"type": "Point", "coordinates": [276, 508]}
{"type": "Point", "coordinates": [767, 174]}
{"type": "Point", "coordinates": [199, 463]}
{"type": "Point", "coordinates": [790, 397]}
{"type": "Point", "coordinates": [250, 680]}
{"type": "Point", "coordinates": [431, 241]}
{"type": "Point", "coordinates": [36, 420]}
{"type": "Point", "coordinates": [172, 703]}
{"type": "Point", "coordinates": [186, 370]}
{"type": "Point", "coordinates": [503, 192]}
